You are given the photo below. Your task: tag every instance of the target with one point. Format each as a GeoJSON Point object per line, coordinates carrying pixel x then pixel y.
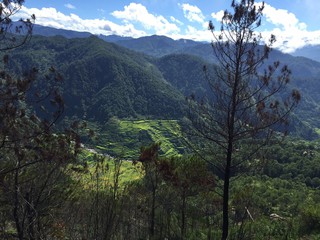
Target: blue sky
{"type": "Point", "coordinates": [294, 22]}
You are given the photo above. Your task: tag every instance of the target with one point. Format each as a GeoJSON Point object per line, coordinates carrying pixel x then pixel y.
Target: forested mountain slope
{"type": "Point", "coordinates": [157, 46]}
{"type": "Point", "coordinates": [102, 79]}
{"type": "Point", "coordinates": [309, 51]}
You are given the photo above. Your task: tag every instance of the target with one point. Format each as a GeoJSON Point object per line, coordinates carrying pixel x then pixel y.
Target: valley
{"type": "Point", "coordinates": [122, 160]}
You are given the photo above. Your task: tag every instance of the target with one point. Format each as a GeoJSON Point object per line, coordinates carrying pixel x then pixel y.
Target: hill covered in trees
{"type": "Point", "coordinates": [102, 79]}
{"type": "Point", "coordinates": [120, 164]}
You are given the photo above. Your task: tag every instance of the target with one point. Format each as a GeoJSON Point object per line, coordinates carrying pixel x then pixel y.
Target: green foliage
{"type": "Point", "coordinates": [185, 73]}
{"type": "Point", "coordinates": [49, 193]}
{"type": "Point", "coordinates": [309, 221]}
{"type": "Point", "coordinates": [293, 159]}
{"type": "Point", "coordinates": [156, 45]}
{"type": "Point", "coordinates": [33, 178]}
{"type": "Point", "coordinates": [102, 79]}
{"type": "Point", "coordinates": [125, 137]}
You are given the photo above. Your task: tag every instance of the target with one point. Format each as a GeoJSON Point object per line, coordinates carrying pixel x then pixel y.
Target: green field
{"type": "Point", "coordinates": [124, 138]}
{"type": "Point", "coordinates": [104, 169]}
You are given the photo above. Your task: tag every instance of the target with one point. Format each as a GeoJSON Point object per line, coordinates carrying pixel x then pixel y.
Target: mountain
{"type": "Point", "coordinates": [150, 45]}
{"type": "Point", "coordinates": [113, 38]}
{"type": "Point", "coordinates": [309, 51]}
{"type": "Point", "coordinates": [102, 79]}
{"type": "Point", "coordinates": [185, 73]}
{"type": "Point", "coordinates": [50, 32]}
{"type": "Point", "coordinates": [156, 45]}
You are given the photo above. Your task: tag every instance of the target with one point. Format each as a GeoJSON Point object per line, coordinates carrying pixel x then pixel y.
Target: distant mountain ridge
{"type": "Point", "coordinates": [104, 79]}
{"type": "Point", "coordinates": [309, 51]}
{"type": "Point", "coordinates": [155, 45]}
{"type": "Point", "coordinates": [150, 44]}
{"type": "Point", "coordinates": [50, 32]}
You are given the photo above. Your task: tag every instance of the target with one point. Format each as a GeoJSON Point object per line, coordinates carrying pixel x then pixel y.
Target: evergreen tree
{"type": "Point", "coordinates": [247, 105]}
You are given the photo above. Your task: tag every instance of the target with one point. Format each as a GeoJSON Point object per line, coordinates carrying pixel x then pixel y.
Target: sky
{"type": "Point", "coordinates": [294, 22]}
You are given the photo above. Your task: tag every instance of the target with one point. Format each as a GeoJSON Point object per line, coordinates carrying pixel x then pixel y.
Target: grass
{"type": "Point", "coordinates": [124, 138]}
{"type": "Point", "coordinates": [97, 168]}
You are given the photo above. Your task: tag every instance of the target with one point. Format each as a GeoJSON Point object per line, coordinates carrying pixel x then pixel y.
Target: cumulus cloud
{"type": "Point", "coordinates": [137, 13]}
{"type": "Point", "coordinates": [173, 19]}
{"type": "Point", "coordinates": [192, 13]}
{"type": "Point", "coordinates": [290, 32]}
{"type": "Point", "coordinates": [52, 18]}
{"type": "Point", "coordinates": [283, 18]}
{"type": "Point", "coordinates": [137, 21]}
{"type": "Point", "coordinates": [218, 15]}
{"type": "Point", "coordinates": [70, 6]}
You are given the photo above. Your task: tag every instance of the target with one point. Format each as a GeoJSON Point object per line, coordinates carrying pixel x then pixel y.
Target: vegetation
{"type": "Point", "coordinates": [123, 138]}
{"type": "Point", "coordinates": [247, 105]}
{"type": "Point", "coordinates": [102, 79]}
{"type": "Point", "coordinates": [93, 148]}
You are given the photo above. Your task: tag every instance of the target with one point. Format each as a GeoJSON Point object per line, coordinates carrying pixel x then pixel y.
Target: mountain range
{"type": "Point", "coordinates": [107, 76]}
{"type": "Point", "coordinates": [150, 44]}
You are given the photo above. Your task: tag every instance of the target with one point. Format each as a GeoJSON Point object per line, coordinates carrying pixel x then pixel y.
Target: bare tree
{"type": "Point", "coordinates": [247, 104]}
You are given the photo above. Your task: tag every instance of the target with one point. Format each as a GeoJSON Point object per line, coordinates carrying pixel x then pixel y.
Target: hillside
{"type": "Point", "coordinates": [113, 137]}
{"type": "Point", "coordinates": [50, 32]}
{"type": "Point", "coordinates": [309, 51]}
{"type": "Point", "coordinates": [157, 46]}
{"type": "Point", "coordinates": [102, 79]}
{"type": "Point", "coordinates": [185, 73]}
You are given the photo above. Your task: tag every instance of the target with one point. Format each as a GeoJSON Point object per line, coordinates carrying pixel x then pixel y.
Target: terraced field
{"type": "Point", "coordinates": [124, 138]}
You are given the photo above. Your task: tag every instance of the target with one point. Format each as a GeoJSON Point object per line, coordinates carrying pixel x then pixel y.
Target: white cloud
{"type": "Point", "coordinates": [282, 18]}
{"type": "Point", "coordinates": [192, 13]}
{"type": "Point", "coordinates": [173, 19]}
{"type": "Point", "coordinates": [53, 18]}
{"type": "Point", "coordinates": [70, 6]}
{"type": "Point", "coordinates": [217, 16]}
{"type": "Point", "coordinates": [137, 13]}
{"type": "Point", "coordinates": [290, 32]}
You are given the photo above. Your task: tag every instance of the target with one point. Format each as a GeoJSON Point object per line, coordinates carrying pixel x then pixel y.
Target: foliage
{"type": "Point", "coordinates": [156, 45]}
{"type": "Point", "coordinates": [123, 138]}
{"type": "Point", "coordinates": [245, 106]}
{"type": "Point", "coordinates": [185, 73]}
{"type": "Point", "coordinates": [49, 189]}
{"type": "Point", "coordinates": [102, 79]}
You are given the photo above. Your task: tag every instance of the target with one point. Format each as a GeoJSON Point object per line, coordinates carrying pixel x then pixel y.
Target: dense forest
{"type": "Point", "coordinates": [106, 137]}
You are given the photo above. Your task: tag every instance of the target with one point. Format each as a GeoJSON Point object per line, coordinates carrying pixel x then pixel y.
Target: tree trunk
{"type": "Point", "coordinates": [225, 221]}
{"type": "Point", "coordinates": [183, 215]}
{"type": "Point", "coordinates": [152, 217]}
{"type": "Point", "coordinates": [18, 224]}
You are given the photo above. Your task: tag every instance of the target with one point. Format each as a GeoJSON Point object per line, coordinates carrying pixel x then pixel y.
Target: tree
{"type": "Point", "coordinates": [180, 172]}
{"type": "Point", "coordinates": [150, 159]}
{"type": "Point", "coordinates": [247, 105]}
{"type": "Point", "coordinates": [13, 34]}
{"type": "Point", "coordinates": [32, 157]}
